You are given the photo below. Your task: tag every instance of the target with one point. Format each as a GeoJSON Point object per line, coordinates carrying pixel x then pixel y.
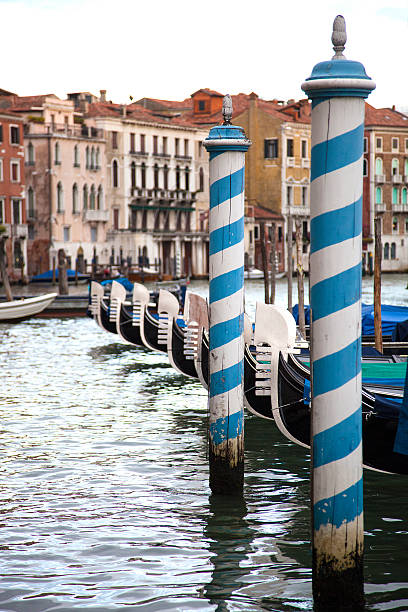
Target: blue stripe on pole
{"type": "Point", "coordinates": [338, 441]}
{"type": "Point", "coordinates": [224, 332]}
{"type": "Point", "coordinates": [336, 226]}
{"type": "Point", "coordinates": [226, 236]}
{"type": "Point", "coordinates": [227, 428]}
{"type": "Point", "coordinates": [226, 379]}
{"type": "Point", "coordinates": [214, 154]}
{"type": "Point", "coordinates": [227, 187]}
{"type": "Point", "coordinates": [337, 292]}
{"type": "Point", "coordinates": [337, 152]}
{"type": "Point", "coordinates": [333, 371]}
{"type": "Point", "coordinates": [226, 284]}
{"type": "Point", "coordinates": [339, 509]}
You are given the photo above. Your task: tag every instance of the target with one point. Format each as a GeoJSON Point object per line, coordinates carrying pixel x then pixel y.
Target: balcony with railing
{"type": "Point", "coordinates": [185, 157]}
{"type": "Point", "coordinates": [96, 215]}
{"type": "Point", "coordinates": [380, 178]}
{"type": "Point", "coordinates": [139, 153]}
{"type": "Point", "coordinates": [380, 207]}
{"type": "Point", "coordinates": [305, 163]}
{"type": "Point", "coordinates": [397, 178]}
{"type": "Point", "coordinates": [62, 129]}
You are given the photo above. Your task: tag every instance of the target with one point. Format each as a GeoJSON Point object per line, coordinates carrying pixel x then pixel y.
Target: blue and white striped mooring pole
{"type": "Point", "coordinates": [226, 145]}
{"type": "Point", "coordinates": [337, 89]}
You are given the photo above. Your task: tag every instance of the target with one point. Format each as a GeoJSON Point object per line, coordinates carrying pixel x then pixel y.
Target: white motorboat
{"type": "Point", "coordinates": [26, 307]}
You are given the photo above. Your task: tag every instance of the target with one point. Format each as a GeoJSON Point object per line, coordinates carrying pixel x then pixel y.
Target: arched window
{"type": "Point", "coordinates": [133, 174]}
{"type": "Point", "coordinates": [30, 203]}
{"type": "Point", "coordinates": [30, 154]}
{"type": "Point", "coordinates": [406, 166]}
{"type": "Point", "coordinates": [87, 160]}
{"type": "Point", "coordinates": [393, 250]}
{"type": "Point", "coordinates": [92, 198]}
{"type": "Point", "coordinates": [395, 198]}
{"type": "Point", "coordinates": [187, 178]}
{"type": "Point", "coordinates": [188, 220]}
{"type": "Point", "coordinates": [60, 197]}
{"type": "Point", "coordinates": [177, 177]}
{"type": "Point", "coordinates": [201, 179]}
{"type": "Point", "coordinates": [93, 158]}
{"type": "Point", "coordinates": [97, 159]}
{"type": "Point", "coordinates": [386, 251]}
{"type": "Point", "coordinates": [404, 196]}
{"type": "Point", "coordinates": [378, 165]}
{"type": "Point", "coordinates": [157, 221]}
{"type": "Point", "coordinates": [394, 167]}
{"type": "Point", "coordinates": [165, 177]}
{"type": "Point", "coordinates": [99, 198]}
{"type": "Point", "coordinates": [378, 195]}
{"type": "Point", "coordinates": [57, 153]}
{"type": "Point", "coordinates": [143, 175]}
{"type": "Point", "coordinates": [76, 156]}
{"type": "Point", "coordinates": [115, 174]}
{"type": "Point", "coordinates": [85, 197]}
{"type": "Point", "coordinates": [75, 207]}
{"type": "Point", "coordinates": [156, 176]}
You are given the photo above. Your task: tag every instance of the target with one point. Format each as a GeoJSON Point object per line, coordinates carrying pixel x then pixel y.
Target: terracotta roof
{"type": "Point", "coordinates": [384, 117]}
{"type": "Point", "coordinates": [209, 92]}
{"type": "Point", "coordinates": [26, 103]}
{"type": "Point", "coordinates": [264, 213]}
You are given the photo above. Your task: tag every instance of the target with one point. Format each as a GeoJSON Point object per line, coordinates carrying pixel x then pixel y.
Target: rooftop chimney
{"type": "Point", "coordinates": [103, 95]}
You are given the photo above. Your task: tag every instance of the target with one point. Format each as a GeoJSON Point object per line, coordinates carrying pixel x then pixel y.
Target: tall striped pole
{"type": "Point", "coordinates": [226, 145]}
{"type": "Point", "coordinates": [337, 89]}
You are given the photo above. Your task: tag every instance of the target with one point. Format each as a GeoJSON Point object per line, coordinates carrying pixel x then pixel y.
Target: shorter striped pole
{"type": "Point", "coordinates": [337, 89]}
{"type": "Point", "coordinates": [227, 145]}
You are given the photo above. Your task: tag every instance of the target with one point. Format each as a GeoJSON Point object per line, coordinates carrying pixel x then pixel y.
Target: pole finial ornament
{"type": "Point", "coordinates": [227, 109]}
{"type": "Point", "coordinates": [339, 37]}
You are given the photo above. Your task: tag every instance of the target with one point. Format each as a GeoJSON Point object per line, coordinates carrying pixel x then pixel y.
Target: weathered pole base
{"type": "Point", "coordinates": [335, 590]}
{"type": "Point", "coordinates": [227, 467]}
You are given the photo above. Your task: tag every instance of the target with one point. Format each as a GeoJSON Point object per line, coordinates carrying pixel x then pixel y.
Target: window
{"type": "Point", "coordinates": [2, 217]}
{"type": "Point", "coordinates": [155, 145]}
{"type": "Point", "coordinates": [395, 167]}
{"type": "Point", "coordinates": [156, 176]}
{"type": "Point", "coordinates": [14, 134]}
{"type": "Point", "coordinates": [187, 178]}
{"type": "Point", "coordinates": [256, 232]}
{"type": "Point", "coordinates": [92, 198]}
{"type": "Point", "coordinates": [251, 237]}
{"type": "Point", "coordinates": [386, 250]}
{"type": "Point", "coordinates": [378, 195]}
{"type": "Point", "coordinates": [75, 203]}
{"type": "Point", "coordinates": [271, 148]}
{"type": "Point", "coordinates": [133, 175]}
{"type": "Point", "coordinates": [177, 177]}
{"type": "Point", "coordinates": [165, 145]}
{"type": "Point", "coordinates": [97, 159]}
{"type": "Point", "coordinates": [378, 166]}
{"type": "Point", "coordinates": [406, 225]}
{"type": "Point", "coordinates": [132, 142]}
{"type": "Point", "coordinates": [394, 225]}
{"type": "Point", "coordinates": [17, 254]}
{"type": "Point", "coordinates": [31, 232]}
{"type": "Point", "coordinates": [30, 203]}
{"type": "Point", "coordinates": [1, 169]}
{"type": "Point", "coordinates": [60, 198]}
{"type": "Point", "coordinates": [99, 198]}
{"type": "Point", "coordinates": [406, 168]}
{"type": "Point", "coordinates": [406, 144]}
{"type": "Point", "coordinates": [395, 144]}
{"type": "Point", "coordinates": [378, 144]}
{"type": "Point", "coordinates": [289, 195]}
{"type": "Point", "coordinates": [93, 165]}
{"type": "Point", "coordinates": [393, 250]}
{"type": "Point", "coordinates": [165, 177]}
{"type": "Point", "coordinates": [17, 211]}
{"type": "Point", "coordinates": [176, 146]}
{"type": "Point", "coordinates": [289, 147]}
{"type": "Point", "coordinates": [15, 171]}
{"type": "Point", "coordinates": [30, 154]}
{"type": "Point", "coordinates": [67, 233]}
{"type": "Point", "coordinates": [304, 196]}
{"type": "Point", "coordinates": [201, 179]}
{"type": "Point", "coordinates": [76, 156]}
{"type": "Point", "coordinates": [115, 174]}
{"type": "Point", "coordinates": [142, 143]}
{"type": "Point", "coordinates": [280, 233]}
{"type": "Point", "coordinates": [87, 158]}
{"type": "Point", "coordinates": [114, 140]}
{"type": "Point", "coordinates": [304, 149]}
{"type": "Point", "coordinates": [395, 194]}
{"type": "Point", "coordinates": [186, 147]}
{"type": "Point", "coordinates": [365, 167]}
{"type": "Point", "coordinates": [85, 197]}
{"type": "Point", "coordinates": [116, 218]}
{"type": "Point", "coordinates": [57, 160]}
{"type": "Point", "coordinates": [365, 144]}
{"type": "Point", "coordinates": [1, 134]}
{"type": "Point", "coordinates": [201, 105]}
{"type": "Point", "coordinates": [94, 233]}
{"type": "Point", "coordinates": [200, 148]}
{"type": "Point", "coordinates": [404, 196]}
{"type": "Point", "coordinates": [143, 175]}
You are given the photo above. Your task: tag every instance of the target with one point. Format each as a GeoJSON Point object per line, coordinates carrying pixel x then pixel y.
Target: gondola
{"type": "Point", "coordinates": [176, 350]}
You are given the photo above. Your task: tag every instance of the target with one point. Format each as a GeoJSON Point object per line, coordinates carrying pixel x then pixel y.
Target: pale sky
{"type": "Point", "coordinates": [170, 48]}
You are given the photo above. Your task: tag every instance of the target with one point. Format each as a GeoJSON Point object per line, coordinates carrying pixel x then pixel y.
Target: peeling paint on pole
{"type": "Point", "coordinates": [227, 145]}
{"type": "Point", "coordinates": [337, 89]}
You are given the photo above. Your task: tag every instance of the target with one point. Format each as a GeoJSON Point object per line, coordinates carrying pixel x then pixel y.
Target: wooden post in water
{"type": "Point", "coordinates": [226, 145]}
{"type": "Point", "coordinates": [265, 267]}
{"type": "Point", "coordinates": [3, 269]}
{"type": "Point", "coordinates": [289, 262]}
{"type": "Point", "coordinates": [377, 285]}
{"type": "Point", "coordinates": [53, 270]}
{"type": "Point", "coordinates": [273, 264]}
{"type": "Point", "coordinates": [62, 273]}
{"type": "Point", "coordinates": [337, 89]}
{"type": "Point", "coordinates": [300, 278]}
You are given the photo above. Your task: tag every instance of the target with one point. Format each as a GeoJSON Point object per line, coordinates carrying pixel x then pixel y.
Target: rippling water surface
{"type": "Point", "coordinates": [104, 491]}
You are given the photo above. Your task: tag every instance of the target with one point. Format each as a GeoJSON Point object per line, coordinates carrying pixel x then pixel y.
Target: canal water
{"type": "Point", "coordinates": [104, 491]}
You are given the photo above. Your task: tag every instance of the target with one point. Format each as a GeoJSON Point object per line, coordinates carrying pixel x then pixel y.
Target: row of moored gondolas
{"type": "Point", "coordinates": [276, 364]}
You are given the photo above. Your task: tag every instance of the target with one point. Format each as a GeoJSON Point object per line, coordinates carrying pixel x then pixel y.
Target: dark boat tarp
{"type": "Point", "coordinates": [390, 317]}
{"type": "Point", "coordinates": [400, 333]}
{"type": "Point", "coordinates": [46, 277]}
{"type": "Point", "coordinates": [122, 280]}
{"type": "Point", "coordinates": [401, 438]}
